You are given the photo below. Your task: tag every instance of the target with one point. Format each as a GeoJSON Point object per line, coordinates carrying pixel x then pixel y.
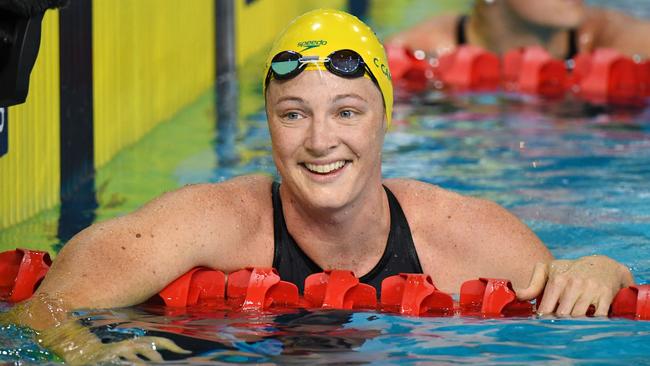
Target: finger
{"type": "Point", "coordinates": [131, 357]}
{"type": "Point", "coordinates": [582, 305]}
{"type": "Point", "coordinates": [570, 296]}
{"type": "Point", "coordinates": [554, 289]}
{"type": "Point", "coordinates": [151, 355]}
{"type": "Point", "coordinates": [536, 284]}
{"type": "Point", "coordinates": [604, 302]}
{"type": "Point", "coordinates": [167, 344]}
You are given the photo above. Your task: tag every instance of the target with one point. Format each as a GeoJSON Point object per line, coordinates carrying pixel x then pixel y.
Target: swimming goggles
{"type": "Point", "coordinates": [345, 63]}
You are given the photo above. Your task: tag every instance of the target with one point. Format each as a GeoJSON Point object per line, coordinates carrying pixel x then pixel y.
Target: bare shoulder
{"type": "Point", "coordinates": [432, 35]}
{"type": "Point", "coordinates": [467, 236]}
{"type": "Point", "coordinates": [125, 260]}
{"type": "Point", "coordinates": [426, 204]}
{"type": "Point", "coordinates": [205, 222]}
{"type": "Point", "coordinates": [615, 29]}
{"type": "Point", "coordinates": [245, 197]}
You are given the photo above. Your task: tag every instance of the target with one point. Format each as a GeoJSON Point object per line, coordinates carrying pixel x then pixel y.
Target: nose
{"type": "Point", "coordinates": [321, 137]}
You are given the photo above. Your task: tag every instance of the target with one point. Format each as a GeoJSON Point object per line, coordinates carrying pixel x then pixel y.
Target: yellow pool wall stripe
{"type": "Point", "coordinates": [29, 173]}
{"type": "Point", "coordinates": [150, 59]}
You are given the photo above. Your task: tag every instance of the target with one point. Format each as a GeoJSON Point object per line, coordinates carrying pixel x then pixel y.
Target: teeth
{"type": "Point", "coordinates": [325, 168]}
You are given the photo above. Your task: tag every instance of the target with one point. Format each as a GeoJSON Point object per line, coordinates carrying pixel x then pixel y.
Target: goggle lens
{"type": "Point", "coordinates": [346, 63]}
{"type": "Point", "coordinates": [284, 67]}
{"type": "Point", "coordinates": [284, 64]}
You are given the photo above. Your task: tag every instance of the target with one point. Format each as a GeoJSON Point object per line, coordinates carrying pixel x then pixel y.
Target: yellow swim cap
{"type": "Point", "coordinates": [323, 31]}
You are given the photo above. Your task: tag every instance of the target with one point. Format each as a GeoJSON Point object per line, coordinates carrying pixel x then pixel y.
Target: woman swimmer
{"type": "Point", "coordinates": [328, 101]}
{"type": "Point", "coordinates": [563, 27]}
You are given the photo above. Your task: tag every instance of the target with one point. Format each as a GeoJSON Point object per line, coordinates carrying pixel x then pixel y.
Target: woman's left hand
{"type": "Point", "coordinates": [572, 286]}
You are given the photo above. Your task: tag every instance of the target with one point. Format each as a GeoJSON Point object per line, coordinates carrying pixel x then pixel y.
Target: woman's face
{"type": "Point", "coordinates": [549, 13]}
{"type": "Point", "coordinates": [327, 134]}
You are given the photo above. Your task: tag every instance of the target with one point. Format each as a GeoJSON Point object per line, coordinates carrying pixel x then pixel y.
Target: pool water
{"type": "Point", "coordinates": [577, 174]}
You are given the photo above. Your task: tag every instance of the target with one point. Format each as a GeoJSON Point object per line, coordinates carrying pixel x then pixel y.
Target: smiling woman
{"type": "Point", "coordinates": [327, 116]}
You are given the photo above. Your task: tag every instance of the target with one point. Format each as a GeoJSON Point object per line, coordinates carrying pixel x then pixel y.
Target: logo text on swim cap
{"type": "Point", "coordinates": [382, 67]}
{"type": "Point", "coordinates": [307, 45]}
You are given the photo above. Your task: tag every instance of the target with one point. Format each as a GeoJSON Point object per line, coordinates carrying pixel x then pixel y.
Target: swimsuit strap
{"type": "Point", "coordinates": [294, 265]}
{"type": "Point", "coordinates": [573, 44]}
{"type": "Point", "coordinates": [461, 38]}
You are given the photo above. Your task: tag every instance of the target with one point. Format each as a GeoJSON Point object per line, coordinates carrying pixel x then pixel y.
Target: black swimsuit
{"type": "Point", "coordinates": [294, 265]}
{"type": "Point", "coordinates": [461, 37]}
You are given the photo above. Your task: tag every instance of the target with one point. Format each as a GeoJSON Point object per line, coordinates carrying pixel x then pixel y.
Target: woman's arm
{"type": "Point", "coordinates": [124, 261]}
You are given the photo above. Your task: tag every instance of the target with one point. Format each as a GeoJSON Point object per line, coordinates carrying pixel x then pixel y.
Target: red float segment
{"type": "Point", "coordinates": [198, 286]}
{"type": "Point", "coordinates": [612, 77]}
{"type": "Point", "coordinates": [643, 75]}
{"type": "Point", "coordinates": [581, 68]}
{"type": "Point", "coordinates": [21, 271]}
{"type": "Point", "coordinates": [414, 294]}
{"type": "Point", "coordinates": [542, 74]}
{"type": "Point", "coordinates": [260, 288]}
{"type": "Point", "coordinates": [633, 301]}
{"type": "Point", "coordinates": [491, 297]}
{"type": "Point", "coordinates": [512, 61]}
{"type": "Point", "coordinates": [409, 72]}
{"type": "Point", "coordinates": [337, 289]}
{"type": "Point", "coordinates": [470, 68]}
{"type": "Point", "coordinates": [533, 70]}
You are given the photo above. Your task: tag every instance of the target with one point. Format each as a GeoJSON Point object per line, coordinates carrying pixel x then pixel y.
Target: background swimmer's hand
{"type": "Point", "coordinates": [572, 286]}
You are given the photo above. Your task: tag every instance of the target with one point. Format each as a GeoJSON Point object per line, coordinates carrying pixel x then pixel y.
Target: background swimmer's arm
{"type": "Point", "coordinates": [614, 29]}
{"type": "Point", "coordinates": [434, 35]}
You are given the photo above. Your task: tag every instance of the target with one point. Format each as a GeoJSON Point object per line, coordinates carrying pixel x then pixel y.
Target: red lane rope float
{"type": "Point", "coordinates": [415, 295]}
{"type": "Point", "coordinates": [199, 285]}
{"type": "Point", "coordinates": [611, 77]}
{"type": "Point", "coordinates": [339, 289]}
{"type": "Point", "coordinates": [471, 68]}
{"type": "Point", "coordinates": [533, 70]}
{"type": "Point", "coordinates": [409, 72]}
{"type": "Point", "coordinates": [21, 271]}
{"type": "Point", "coordinates": [257, 289]}
{"type": "Point", "coordinates": [260, 288]}
{"type": "Point", "coordinates": [633, 301]}
{"type": "Point", "coordinates": [491, 297]}
{"type": "Point", "coordinates": [604, 76]}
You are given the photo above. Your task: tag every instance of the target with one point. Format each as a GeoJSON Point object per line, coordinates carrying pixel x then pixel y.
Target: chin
{"type": "Point", "coordinates": [568, 22]}
{"type": "Point", "coordinates": [327, 197]}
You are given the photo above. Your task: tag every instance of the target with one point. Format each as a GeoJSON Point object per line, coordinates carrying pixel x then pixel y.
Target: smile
{"type": "Point", "coordinates": [325, 168]}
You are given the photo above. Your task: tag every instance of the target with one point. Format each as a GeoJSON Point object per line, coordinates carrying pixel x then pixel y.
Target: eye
{"type": "Point", "coordinates": [346, 113]}
{"type": "Point", "coordinates": [292, 116]}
